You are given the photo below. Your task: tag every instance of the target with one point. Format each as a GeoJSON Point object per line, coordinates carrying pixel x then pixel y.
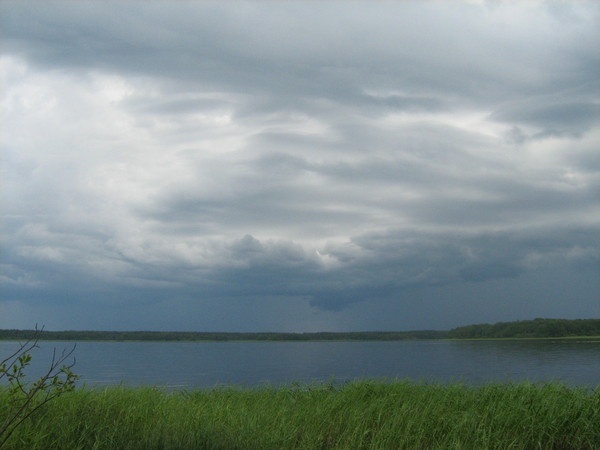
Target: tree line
{"type": "Point", "coordinates": [538, 328]}
{"type": "Point", "coordinates": [219, 336]}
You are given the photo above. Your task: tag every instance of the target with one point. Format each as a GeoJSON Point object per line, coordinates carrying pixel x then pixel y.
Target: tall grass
{"type": "Point", "coordinates": [360, 415]}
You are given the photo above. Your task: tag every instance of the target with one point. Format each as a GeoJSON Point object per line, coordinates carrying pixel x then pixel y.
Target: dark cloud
{"type": "Point", "coordinates": [552, 118]}
{"type": "Point", "coordinates": [296, 165]}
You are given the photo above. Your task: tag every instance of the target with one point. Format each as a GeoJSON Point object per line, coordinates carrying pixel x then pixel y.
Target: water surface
{"type": "Point", "coordinates": [207, 364]}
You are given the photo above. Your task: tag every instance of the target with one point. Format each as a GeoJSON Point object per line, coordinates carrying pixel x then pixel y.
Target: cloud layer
{"type": "Point", "coordinates": [298, 159]}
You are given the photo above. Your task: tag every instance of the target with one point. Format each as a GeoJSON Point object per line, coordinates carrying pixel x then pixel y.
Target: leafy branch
{"type": "Point", "coordinates": [26, 398]}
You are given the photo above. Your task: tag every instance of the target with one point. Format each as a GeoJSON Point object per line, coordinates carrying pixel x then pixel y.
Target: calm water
{"type": "Point", "coordinates": [206, 364]}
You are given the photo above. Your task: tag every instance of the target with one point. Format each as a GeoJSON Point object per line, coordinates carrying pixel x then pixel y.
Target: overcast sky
{"type": "Point", "coordinates": [298, 166]}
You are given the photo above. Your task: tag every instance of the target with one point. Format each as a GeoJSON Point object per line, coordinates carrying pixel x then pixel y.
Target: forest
{"type": "Point", "coordinates": [218, 336]}
{"type": "Point", "coordinates": [538, 328]}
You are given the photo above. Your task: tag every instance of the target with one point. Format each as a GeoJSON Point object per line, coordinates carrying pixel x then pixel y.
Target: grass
{"type": "Point", "coordinates": [359, 415]}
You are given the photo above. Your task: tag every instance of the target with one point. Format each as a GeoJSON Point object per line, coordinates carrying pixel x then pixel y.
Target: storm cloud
{"type": "Point", "coordinates": [298, 166]}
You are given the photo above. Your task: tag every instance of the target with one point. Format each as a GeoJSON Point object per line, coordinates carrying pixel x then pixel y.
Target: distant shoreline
{"type": "Point", "coordinates": [543, 338]}
{"type": "Point", "coordinates": [585, 329]}
{"type": "Point", "coordinates": [159, 336]}
{"type": "Point", "coordinates": [591, 339]}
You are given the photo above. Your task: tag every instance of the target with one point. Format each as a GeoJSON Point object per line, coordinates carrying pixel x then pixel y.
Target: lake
{"type": "Point", "coordinates": [191, 365]}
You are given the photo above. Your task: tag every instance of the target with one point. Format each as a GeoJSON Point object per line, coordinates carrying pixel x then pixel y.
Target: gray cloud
{"type": "Point", "coordinates": [326, 157]}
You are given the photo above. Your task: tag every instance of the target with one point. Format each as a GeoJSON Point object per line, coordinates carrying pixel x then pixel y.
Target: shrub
{"type": "Point", "coordinates": [25, 398]}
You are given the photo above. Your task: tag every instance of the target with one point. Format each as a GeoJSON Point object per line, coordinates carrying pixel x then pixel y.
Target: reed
{"type": "Point", "coordinates": [358, 415]}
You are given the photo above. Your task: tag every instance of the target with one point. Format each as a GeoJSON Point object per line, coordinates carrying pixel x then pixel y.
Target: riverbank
{"type": "Point", "coordinates": [357, 415]}
{"type": "Point", "coordinates": [521, 339]}
{"type": "Point", "coordinates": [524, 329]}
{"type": "Point", "coordinates": [185, 336]}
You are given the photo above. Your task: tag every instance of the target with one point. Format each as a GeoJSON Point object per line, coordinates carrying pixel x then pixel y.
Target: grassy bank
{"type": "Point", "coordinates": [357, 415]}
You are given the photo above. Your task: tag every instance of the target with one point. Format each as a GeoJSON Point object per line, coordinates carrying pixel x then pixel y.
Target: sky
{"type": "Point", "coordinates": [298, 166]}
